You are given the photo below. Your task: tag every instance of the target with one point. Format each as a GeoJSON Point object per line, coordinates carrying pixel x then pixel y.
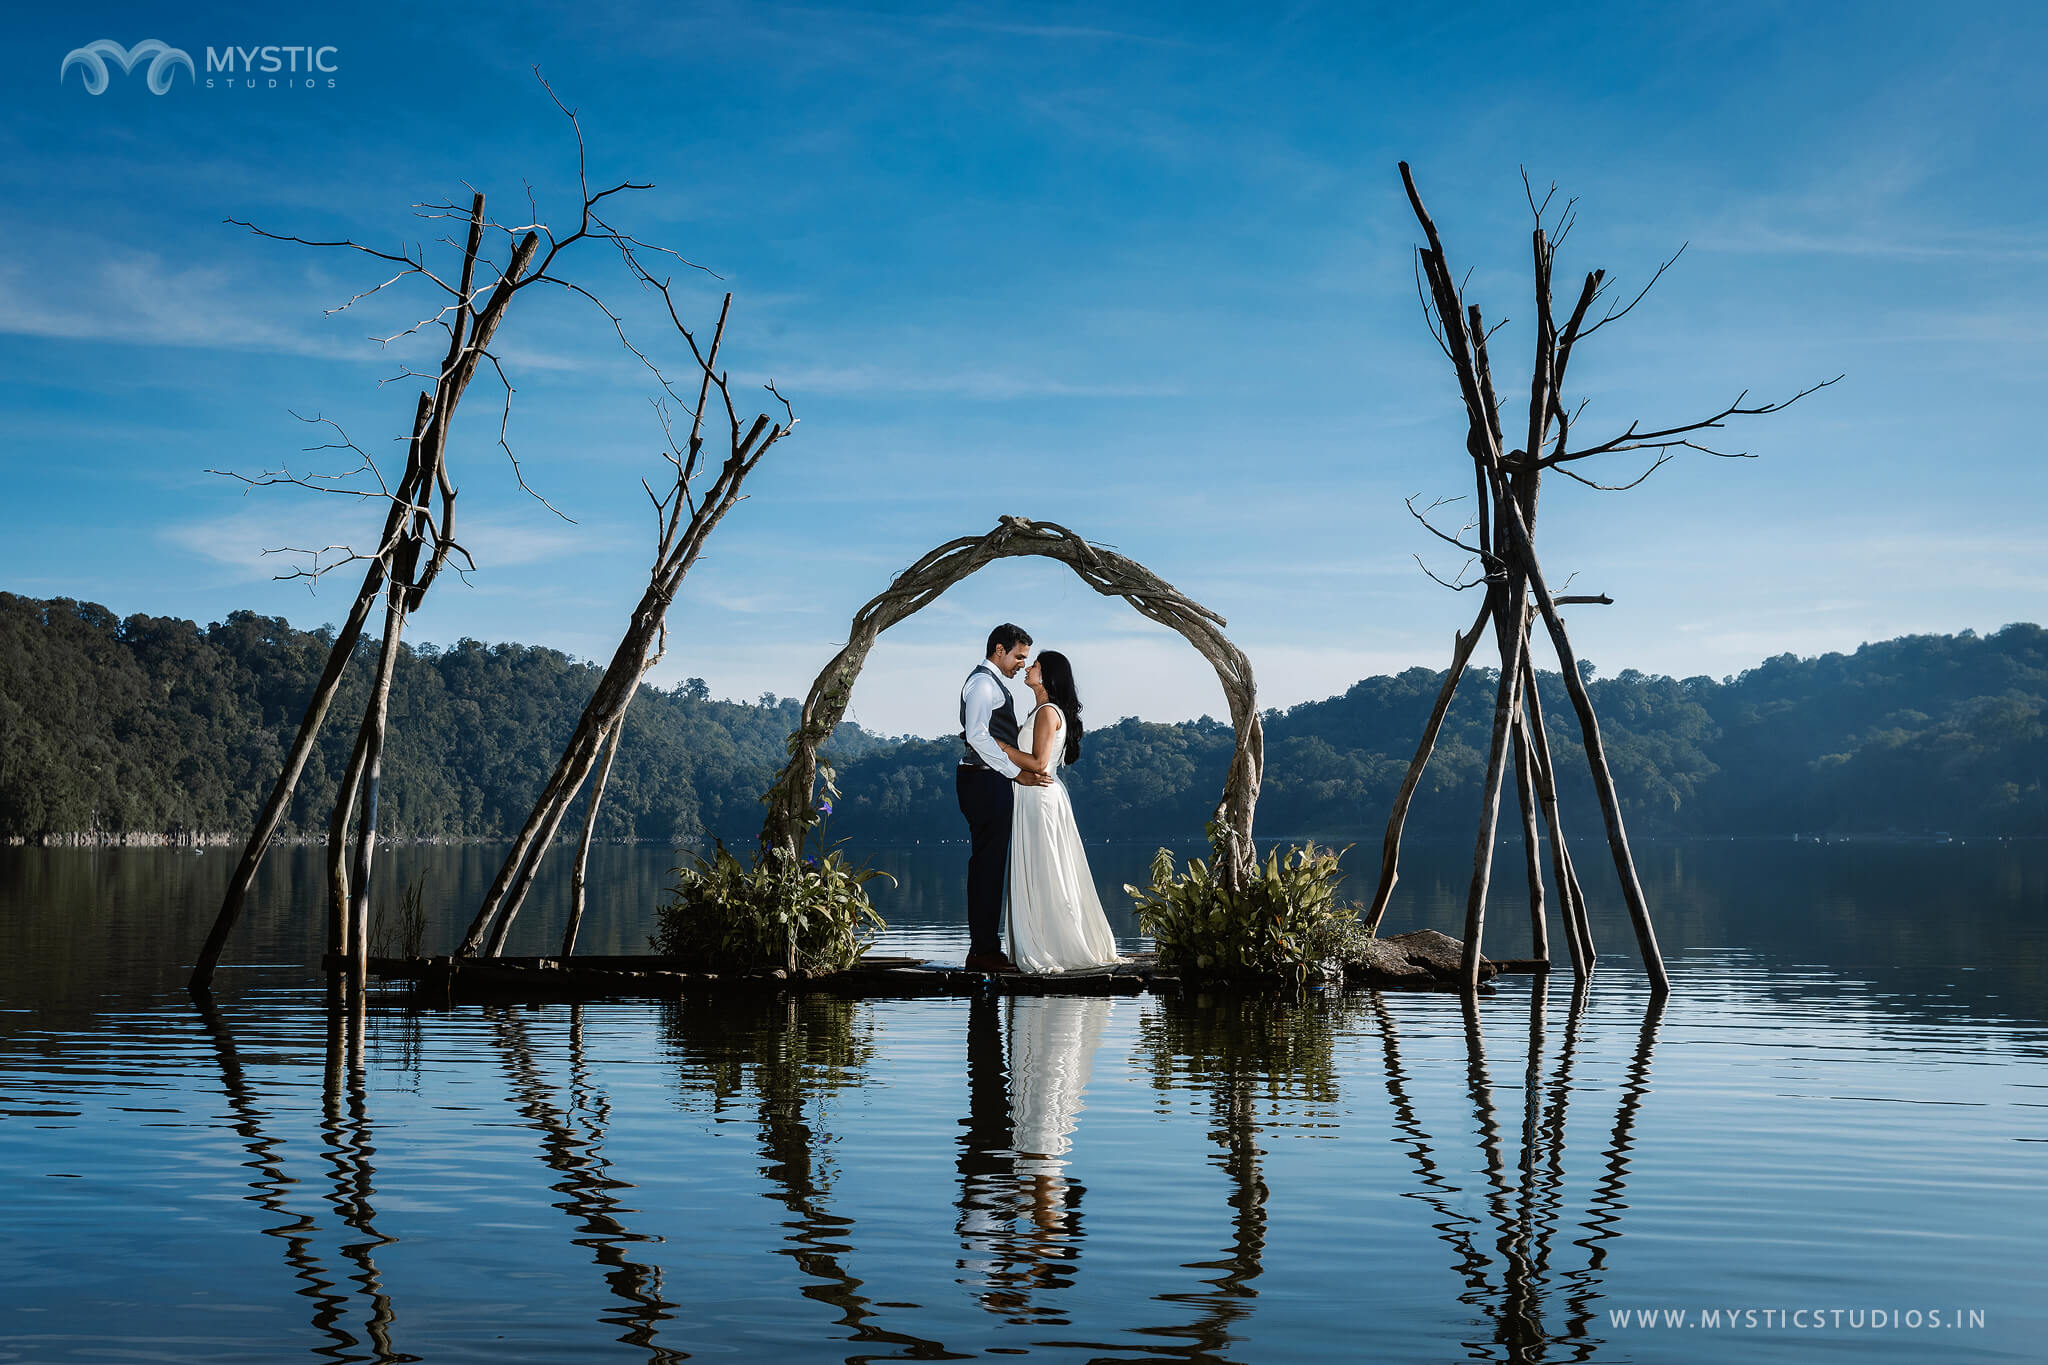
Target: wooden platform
{"type": "Point", "coordinates": [1427, 962]}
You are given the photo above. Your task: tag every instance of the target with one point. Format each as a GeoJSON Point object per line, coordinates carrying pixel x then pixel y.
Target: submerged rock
{"type": "Point", "coordinates": [1423, 957]}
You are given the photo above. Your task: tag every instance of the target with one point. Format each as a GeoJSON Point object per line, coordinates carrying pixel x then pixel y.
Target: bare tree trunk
{"type": "Point", "coordinates": [339, 940]}
{"type": "Point", "coordinates": [607, 705]}
{"type": "Point", "coordinates": [1532, 852]}
{"type": "Point", "coordinates": [1596, 757]}
{"type": "Point", "coordinates": [428, 414]}
{"type": "Point", "coordinates": [542, 825]}
{"type": "Point", "coordinates": [676, 553]}
{"type": "Point", "coordinates": [488, 930]}
{"type": "Point", "coordinates": [618, 734]}
{"type": "Point", "coordinates": [1577, 929]}
{"type": "Point", "coordinates": [1390, 847]}
{"type": "Point", "coordinates": [578, 875]}
{"type": "Point", "coordinates": [1510, 637]}
{"type": "Point", "coordinates": [1560, 859]}
{"type": "Point", "coordinates": [1506, 483]}
{"type": "Point", "coordinates": [287, 781]}
{"type": "Point", "coordinates": [375, 718]}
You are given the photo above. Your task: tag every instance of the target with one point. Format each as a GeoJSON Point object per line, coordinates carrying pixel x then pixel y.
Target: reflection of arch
{"type": "Point", "coordinates": [1109, 573]}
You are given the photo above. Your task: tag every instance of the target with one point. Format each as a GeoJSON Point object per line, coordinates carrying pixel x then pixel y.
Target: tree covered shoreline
{"type": "Point", "coordinates": [165, 729]}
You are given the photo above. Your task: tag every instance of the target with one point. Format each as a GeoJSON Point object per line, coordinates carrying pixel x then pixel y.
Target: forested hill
{"type": "Point", "coordinates": [157, 724]}
{"type": "Point", "coordinates": [1915, 735]}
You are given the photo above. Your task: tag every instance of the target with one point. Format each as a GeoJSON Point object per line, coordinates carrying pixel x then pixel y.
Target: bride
{"type": "Point", "coordinates": [1056, 921]}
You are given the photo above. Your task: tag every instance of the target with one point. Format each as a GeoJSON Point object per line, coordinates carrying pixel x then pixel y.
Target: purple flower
{"type": "Point", "coordinates": [824, 808]}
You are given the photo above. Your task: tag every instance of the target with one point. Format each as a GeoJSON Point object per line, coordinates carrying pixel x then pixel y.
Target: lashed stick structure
{"type": "Point", "coordinates": [1506, 482]}
{"type": "Point", "coordinates": [1109, 573]}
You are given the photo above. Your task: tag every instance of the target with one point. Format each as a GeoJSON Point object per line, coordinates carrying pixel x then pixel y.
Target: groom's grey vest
{"type": "Point", "coordinates": [1002, 722]}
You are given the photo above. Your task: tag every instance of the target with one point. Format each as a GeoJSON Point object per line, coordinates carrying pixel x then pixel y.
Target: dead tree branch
{"type": "Point", "coordinates": [677, 550]}
{"type": "Point", "coordinates": [418, 539]}
{"type": "Point", "coordinates": [1507, 483]}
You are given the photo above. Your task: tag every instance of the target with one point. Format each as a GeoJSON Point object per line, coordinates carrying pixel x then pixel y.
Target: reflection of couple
{"type": "Point", "coordinates": [1019, 1213]}
{"type": "Point", "coordinates": [1027, 857]}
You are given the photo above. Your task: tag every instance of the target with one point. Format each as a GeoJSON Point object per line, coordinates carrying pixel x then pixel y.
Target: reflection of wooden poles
{"type": "Point", "coordinates": [1603, 1212]}
{"type": "Point", "coordinates": [271, 1182]}
{"type": "Point", "coordinates": [1552, 1127]}
{"type": "Point", "coordinates": [1524, 1208]}
{"type": "Point", "coordinates": [1518, 1324]}
{"type": "Point", "coordinates": [586, 1184]}
{"type": "Point", "coordinates": [1454, 1227]}
{"type": "Point", "coordinates": [345, 1124]}
{"type": "Point", "coordinates": [1526, 1223]}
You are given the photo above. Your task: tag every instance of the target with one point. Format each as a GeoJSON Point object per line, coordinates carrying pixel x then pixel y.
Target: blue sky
{"type": "Point", "coordinates": [1142, 271]}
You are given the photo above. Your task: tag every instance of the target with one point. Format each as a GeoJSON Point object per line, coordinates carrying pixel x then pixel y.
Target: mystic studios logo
{"type": "Point", "coordinates": [270, 67]}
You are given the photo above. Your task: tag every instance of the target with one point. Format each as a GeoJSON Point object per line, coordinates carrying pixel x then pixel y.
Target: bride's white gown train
{"type": "Point", "coordinates": [1056, 920]}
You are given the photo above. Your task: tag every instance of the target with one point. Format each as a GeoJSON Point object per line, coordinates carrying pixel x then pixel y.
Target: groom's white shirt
{"type": "Point", "coordinates": [982, 695]}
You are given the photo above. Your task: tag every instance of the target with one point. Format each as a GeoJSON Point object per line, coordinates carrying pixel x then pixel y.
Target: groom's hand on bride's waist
{"type": "Point", "coordinates": [1027, 778]}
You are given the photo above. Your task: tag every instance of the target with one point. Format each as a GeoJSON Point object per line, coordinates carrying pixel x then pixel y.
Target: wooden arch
{"type": "Point", "coordinates": [1109, 573]}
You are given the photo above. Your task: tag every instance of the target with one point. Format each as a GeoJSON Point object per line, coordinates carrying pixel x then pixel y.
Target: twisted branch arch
{"type": "Point", "coordinates": [1109, 573]}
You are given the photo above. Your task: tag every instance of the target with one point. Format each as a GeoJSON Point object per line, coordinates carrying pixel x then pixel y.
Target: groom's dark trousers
{"type": "Point", "coordinates": [986, 798]}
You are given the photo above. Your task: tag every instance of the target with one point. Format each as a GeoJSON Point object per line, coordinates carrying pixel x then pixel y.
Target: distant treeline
{"type": "Point", "coordinates": [157, 724]}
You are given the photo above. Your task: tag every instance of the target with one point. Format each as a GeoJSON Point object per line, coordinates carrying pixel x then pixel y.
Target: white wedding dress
{"type": "Point", "coordinates": [1056, 920]}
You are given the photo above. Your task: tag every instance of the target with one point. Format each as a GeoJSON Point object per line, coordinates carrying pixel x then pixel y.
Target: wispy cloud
{"type": "Point", "coordinates": [137, 297]}
{"type": "Point", "coordinates": [122, 295]}
{"type": "Point", "coordinates": [1766, 238]}
{"type": "Point", "coordinates": [1881, 202]}
{"type": "Point", "coordinates": [1087, 33]}
{"type": "Point", "coordinates": [1053, 32]}
{"type": "Point", "coordinates": [267, 539]}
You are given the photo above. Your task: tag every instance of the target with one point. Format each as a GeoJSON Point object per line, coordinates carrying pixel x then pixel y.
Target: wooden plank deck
{"type": "Point", "coordinates": [646, 976]}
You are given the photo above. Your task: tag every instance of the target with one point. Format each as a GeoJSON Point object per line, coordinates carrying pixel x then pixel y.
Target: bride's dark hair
{"type": "Point", "coordinates": [1058, 676]}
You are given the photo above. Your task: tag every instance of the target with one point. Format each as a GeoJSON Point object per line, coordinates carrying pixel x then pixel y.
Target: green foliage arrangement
{"type": "Point", "coordinates": [727, 916]}
{"type": "Point", "coordinates": [1286, 922]}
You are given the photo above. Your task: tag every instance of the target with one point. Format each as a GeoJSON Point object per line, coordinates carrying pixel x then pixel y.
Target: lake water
{"type": "Point", "coordinates": [1834, 1134]}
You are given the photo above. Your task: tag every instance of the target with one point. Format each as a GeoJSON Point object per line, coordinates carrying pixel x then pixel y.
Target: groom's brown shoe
{"type": "Point", "coordinates": [989, 962]}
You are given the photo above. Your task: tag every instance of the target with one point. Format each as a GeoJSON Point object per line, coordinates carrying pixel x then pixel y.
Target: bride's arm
{"type": "Point", "coordinates": [1043, 733]}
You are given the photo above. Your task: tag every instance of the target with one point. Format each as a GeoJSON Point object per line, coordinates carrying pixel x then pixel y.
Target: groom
{"type": "Point", "coordinates": [988, 714]}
